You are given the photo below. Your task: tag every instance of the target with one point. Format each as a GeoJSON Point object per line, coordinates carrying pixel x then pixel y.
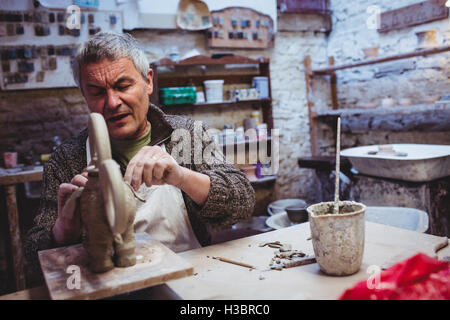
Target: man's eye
{"type": "Point", "coordinates": [124, 87]}
{"type": "Point", "coordinates": [97, 92]}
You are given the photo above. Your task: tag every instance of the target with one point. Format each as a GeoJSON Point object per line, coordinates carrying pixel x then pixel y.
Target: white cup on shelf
{"type": "Point", "coordinates": [214, 90]}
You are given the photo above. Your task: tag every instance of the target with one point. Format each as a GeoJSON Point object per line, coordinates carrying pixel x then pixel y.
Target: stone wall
{"type": "Point", "coordinates": [421, 79]}
{"type": "Point", "coordinates": [29, 119]}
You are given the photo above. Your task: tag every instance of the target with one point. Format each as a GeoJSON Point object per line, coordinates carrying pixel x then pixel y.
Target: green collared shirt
{"type": "Point", "coordinates": [124, 150]}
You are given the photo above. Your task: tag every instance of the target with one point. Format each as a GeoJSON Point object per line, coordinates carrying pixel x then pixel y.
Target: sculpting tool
{"type": "Point", "coordinates": [234, 262]}
{"type": "Point", "coordinates": [294, 263]}
{"type": "Point", "coordinates": [338, 166]}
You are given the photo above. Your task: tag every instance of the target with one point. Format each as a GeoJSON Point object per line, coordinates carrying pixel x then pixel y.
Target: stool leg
{"type": "Point", "coordinates": [14, 233]}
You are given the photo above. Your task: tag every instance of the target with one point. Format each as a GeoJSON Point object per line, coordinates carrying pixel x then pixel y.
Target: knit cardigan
{"type": "Point", "coordinates": [231, 197]}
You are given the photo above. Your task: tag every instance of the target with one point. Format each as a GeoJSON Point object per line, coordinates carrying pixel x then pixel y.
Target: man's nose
{"type": "Point", "coordinates": [112, 99]}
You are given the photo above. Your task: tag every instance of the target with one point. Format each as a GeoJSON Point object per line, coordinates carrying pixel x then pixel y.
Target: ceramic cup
{"type": "Point", "coordinates": [338, 239]}
{"type": "Point", "coordinates": [10, 159]}
{"type": "Point", "coordinates": [297, 213]}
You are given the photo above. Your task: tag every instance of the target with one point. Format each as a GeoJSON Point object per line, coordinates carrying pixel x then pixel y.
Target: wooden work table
{"type": "Point", "coordinates": [214, 279]}
{"type": "Point", "coordinates": [10, 182]}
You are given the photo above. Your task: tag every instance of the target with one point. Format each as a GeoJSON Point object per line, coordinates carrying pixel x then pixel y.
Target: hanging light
{"type": "Point", "coordinates": [447, 4]}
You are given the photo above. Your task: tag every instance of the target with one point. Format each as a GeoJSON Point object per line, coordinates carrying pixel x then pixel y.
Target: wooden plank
{"type": "Point", "coordinates": [303, 6]}
{"type": "Point", "coordinates": [156, 264]}
{"type": "Point", "coordinates": [412, 15]}
{"type": "Point", "coordinates": [14, 233]}
{"type": "Point", "coordinates": [36, 293]}
{"type": "Point", "coordinates": [333, 85]}
{"type": "Point", "coordinates": [426, 118]}
{"type": "Point", "coordinates": [417, 53]}
{"type": "Point", "coordinates": [21, 177]}
{"type": "Point", "coordinates": [205, 60]}
{"type": "Point", "coordinates": [218, 280]}
{"type": "Point", "coordinates": [255, 104]}
{"type": "Point", "coordinates": [197, 80]}
{"type": "Point", "coordinates": [310, 103]}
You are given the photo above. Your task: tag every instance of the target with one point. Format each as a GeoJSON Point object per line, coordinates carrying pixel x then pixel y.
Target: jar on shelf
{"type": "Point", "coordinates": [261, 130]}
{"type": "Point", "coordinates": [256, 115]}
{"type": "Point", "coordinates": [240, 135]}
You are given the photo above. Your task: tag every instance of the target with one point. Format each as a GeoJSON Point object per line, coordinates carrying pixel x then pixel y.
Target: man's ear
{"type": "Point", "coordinates": [150, 81]}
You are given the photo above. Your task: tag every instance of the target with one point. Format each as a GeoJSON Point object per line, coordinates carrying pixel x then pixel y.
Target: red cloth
{"type": "Point", "coordinates": [416, 278]}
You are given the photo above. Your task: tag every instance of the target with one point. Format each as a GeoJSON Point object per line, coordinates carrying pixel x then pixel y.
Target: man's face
{"type": "Point", "coordinates": [117, 90]}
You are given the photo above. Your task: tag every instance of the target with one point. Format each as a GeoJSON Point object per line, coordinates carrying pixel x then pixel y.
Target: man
{"type": "Point", "coordinates": [186, 201]}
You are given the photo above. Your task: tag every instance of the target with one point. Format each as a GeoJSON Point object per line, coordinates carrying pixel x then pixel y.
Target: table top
{"type": "Point", "coordinates": [214, 279]}
{"type": "Point", "coordinates": [8, 177]}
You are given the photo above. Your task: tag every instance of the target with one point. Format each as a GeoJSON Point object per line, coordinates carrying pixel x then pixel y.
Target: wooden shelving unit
{"type": "Point", "coordinates": [262, 102]}
{"type": "Point", "coordinates": [331, 73]}
{"type": "Point", "coordinates": [179, 76]}
{"type": "Point", "coordinates": [182, 79]}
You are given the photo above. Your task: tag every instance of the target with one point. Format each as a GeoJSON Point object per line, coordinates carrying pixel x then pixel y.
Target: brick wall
{"type": "Point", "coordinates": [420, 79]}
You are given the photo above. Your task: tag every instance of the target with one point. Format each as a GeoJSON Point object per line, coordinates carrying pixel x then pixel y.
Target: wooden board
{"type": "Point", "coordinates": [412, 15]}
{"type": "Point", "coordinates": [214, 279]}
{"type": "Point", "coordinates": [156, 264]}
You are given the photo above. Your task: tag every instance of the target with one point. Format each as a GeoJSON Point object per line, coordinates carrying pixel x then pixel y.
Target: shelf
{"type": "Point", "coordinates": [381, 110]}
{"type": "Point", "coordinates": [218, 104]}
{"type": "Point", "coordinates": [205, 60]}
{"type": "Point", "coordinates": [246, 143]}
{"type": "Point", "coordinates": [264, 180]}
{"type": "Point", "coordinates": [435, 117]}
{"type": "Point", "coordinates": [417, 53]}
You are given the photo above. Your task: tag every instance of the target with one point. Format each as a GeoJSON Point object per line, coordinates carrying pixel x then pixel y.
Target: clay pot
{"type": "Point", "coordinates": [426, 39]}
{"type": "Point", "coordinates": [431, 99]}
{"type": "Point", "coordinates": [338, 239]}
{"type": "Point", "coordinates": [405, 102]}
{"type": "Point", "coordinates": [387, 102]}
{"type": "Point", "coordinates": [368, 105]}
{"type": "Point", "coordinates": [371, 52]}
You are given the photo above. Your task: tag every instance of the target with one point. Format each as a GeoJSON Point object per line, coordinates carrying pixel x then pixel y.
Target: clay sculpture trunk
{"type": "Point", "coordinates": [106, 250]}
{"type": "Point", "coordinates": [108, 206]}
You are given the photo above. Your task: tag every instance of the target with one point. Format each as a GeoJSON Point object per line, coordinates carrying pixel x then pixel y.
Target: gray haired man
{"type": "Point", "coordinates": [186, 202]}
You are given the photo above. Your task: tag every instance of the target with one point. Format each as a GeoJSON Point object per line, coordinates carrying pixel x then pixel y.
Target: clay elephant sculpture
{"type": "Point", "coordinates": [107, 205]}
{"type": "Point", "coordinates": [108, 244]}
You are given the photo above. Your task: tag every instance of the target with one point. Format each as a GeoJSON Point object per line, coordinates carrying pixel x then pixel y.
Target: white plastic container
{"type": "Point", "coordinates": [262, 131]}
{"type": "Point", "coordinates": [214, 90]}
{"type": "Point", "coordinates": [262, 86]}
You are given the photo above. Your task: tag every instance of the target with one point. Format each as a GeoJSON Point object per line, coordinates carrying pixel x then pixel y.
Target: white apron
{"type": "Point", "coordinates": [164, 215]}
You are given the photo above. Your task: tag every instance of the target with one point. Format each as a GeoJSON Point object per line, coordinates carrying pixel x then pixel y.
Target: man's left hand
{"type": "Point", "coordinates": [153, 166]}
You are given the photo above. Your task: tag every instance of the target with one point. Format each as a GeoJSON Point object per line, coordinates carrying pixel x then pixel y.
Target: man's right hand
{"type": "Point", "coordinates": [67, 228]}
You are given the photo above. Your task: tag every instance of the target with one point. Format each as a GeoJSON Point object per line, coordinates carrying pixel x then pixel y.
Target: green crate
{"type": "Point", "coordinates": [177, 95]}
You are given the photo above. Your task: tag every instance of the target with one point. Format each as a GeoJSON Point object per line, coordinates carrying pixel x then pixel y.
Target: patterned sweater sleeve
{"type": "Point", "coordinates": [59, 169]}
{"type": "Point", "coordinates": [231, 197]}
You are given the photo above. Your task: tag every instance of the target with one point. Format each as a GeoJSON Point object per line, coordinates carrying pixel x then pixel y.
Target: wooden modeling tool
{"type": "Point", "coordinates": [234, 262]}
{"type": "Point", "coordinates": [338, 166]}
